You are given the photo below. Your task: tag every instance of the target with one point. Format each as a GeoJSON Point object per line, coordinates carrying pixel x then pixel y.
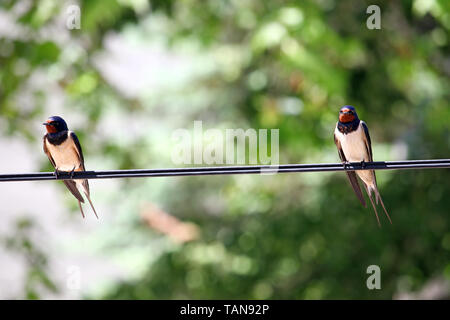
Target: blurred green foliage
{"type": "Point", "coordinates": [20, 240]}
{"type": "Point", "coordinates": [258, 64]}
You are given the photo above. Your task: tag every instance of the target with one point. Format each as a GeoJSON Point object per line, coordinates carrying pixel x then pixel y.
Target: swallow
{"type": "Point", "coordinates": [352, 140]}
{"type": "Point", "coordinates": [63, 149]}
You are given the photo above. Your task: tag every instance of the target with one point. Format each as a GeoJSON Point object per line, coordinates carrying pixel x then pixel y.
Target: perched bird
{"type": "Point", "coordinates": [352, 139]}
{"type": "Point", "coordinates": [64, 152]}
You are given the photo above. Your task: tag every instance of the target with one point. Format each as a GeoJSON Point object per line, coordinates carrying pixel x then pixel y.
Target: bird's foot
{"type": "Point", "coordinates": [71, 173]}
{"type": "Point", "coordinates": [56, 173]}
{"type": "Point", "coordinates": [345, 164]}
{"type": "Point", "coordinates": [363, 164]}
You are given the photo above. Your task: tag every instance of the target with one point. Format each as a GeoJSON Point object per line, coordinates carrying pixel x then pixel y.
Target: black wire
{"type": "Point", "coordinates": [258, 169]}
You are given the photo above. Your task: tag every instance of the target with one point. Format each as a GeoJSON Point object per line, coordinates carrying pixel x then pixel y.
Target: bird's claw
{"type": "Point", "coordinates": [72, 172]}
{"type": "Point", "coordinates": [56, 173]}
{"type": "Point", "coordinates": [346, 164]}
{"type": "Point", "coordinates": [363, 164]}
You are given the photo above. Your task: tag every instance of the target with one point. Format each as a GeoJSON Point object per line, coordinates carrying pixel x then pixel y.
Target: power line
{"type": "Point", "coordinates": [228, 170]}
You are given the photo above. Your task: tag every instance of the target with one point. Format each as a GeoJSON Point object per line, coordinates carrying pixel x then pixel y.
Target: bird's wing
{"type": "Point", "coordinates": [80, 155]}
{"type": "Point", "coordinates": [78, 149]}
{"type": "Point", "coordinates": [369, 152]}
{"type": "Point", "coordinates": [71, 185]}
{"type": "Point", "coordinates": [350, 174]}
{"type": "Point", "coordinates": [48, 153]}
{"type": "Point", "coordinates": [367, 141]}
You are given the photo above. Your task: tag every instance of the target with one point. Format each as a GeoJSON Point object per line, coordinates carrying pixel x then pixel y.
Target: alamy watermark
{"type": "Point", "coordinates": [73, 20]}
{"type": "Point", "coordinates": [228, 146]}
{"type": "Point", "coordinates": [374, 20]}
{"type": "Point", "coordinates": [374, 280]}
{"type": "Point", "coordinates": [73, 281]}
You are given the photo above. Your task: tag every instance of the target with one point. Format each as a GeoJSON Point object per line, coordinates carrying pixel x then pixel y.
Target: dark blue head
{"type": "Point", "coordinates": [55, 124]}
{"type": "Point", "coordinates": [348, 114]}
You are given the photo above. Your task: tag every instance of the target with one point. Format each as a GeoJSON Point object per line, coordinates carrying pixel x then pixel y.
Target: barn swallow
{"type": "Point", "coordinates": [64, 152]}
{"type": "Point", "coordinates": [352, 139]}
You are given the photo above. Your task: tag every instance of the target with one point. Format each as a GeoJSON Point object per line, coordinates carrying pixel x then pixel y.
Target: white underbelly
{"type": "Point", "coordinates": [64, 155]}
{"type": "Point", "coordinates": [353, 146]}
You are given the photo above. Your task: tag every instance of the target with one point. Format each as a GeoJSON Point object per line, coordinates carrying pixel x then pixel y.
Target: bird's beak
{"type": "Point", "coordinates": [45, 124]}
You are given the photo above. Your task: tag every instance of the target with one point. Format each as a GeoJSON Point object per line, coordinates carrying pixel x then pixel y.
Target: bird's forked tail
{"type": "Point", "coordinates": [92, 206]}
{"type": "Point", "coordinates": [374, 188]}
{"type": "Point", "coordinates": [85, 187]}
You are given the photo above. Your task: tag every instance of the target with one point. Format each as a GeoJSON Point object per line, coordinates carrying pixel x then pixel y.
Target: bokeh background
{"type": "Point", "coordinates": [137, 70]}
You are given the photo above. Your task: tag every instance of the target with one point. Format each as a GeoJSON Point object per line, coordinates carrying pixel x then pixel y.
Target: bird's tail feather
{"type": "Point", "coordinates": [81, 208]}
{"type": "Point", "coordinates": [369, 193]}
{"type": "Point", "coordinates": [378, 197]}
{"type": "Point", "coordinates": [92, 206]}
{"type": "Point", "coordinates": [84, 185]}
{"type": "Point", "coordinates": [72, 186]}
